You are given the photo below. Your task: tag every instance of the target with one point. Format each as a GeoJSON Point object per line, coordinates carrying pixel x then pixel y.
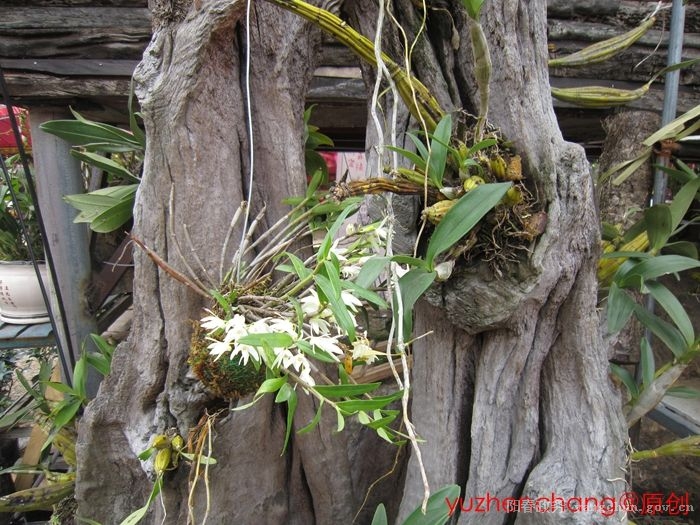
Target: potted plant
{"type": "Point", "coordinates": [21, 300]}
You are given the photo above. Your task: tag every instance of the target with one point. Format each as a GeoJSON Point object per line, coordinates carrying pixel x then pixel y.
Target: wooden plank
{"type": "Point", "coordinates": [72, 67]}
{"type": "Point", "coordinates": [103, 44]}
{"type": "Point", "coordinates": [70, 18]}
{"type": "Point", "coordinates": [75, 3]}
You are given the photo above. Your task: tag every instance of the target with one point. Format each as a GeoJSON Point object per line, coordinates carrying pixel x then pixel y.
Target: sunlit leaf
{"type": "Point", "coordinates": [413, 285]}
{"type": "Point", "coordinates": [139, 514]}
{"type": "Point", "coordinates": [105, 164]}
{"type": "Point", "coordinates": [271, 339]}
{"type": "Point", "coordinates": [371, 270]}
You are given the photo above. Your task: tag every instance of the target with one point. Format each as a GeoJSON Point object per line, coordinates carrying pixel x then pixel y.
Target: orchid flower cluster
{"type": "Point", "coordinates": [306, 325]}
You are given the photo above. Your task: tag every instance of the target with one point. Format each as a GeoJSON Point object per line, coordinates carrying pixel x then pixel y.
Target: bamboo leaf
{"type": "Point", "coordinates": [463, 216]}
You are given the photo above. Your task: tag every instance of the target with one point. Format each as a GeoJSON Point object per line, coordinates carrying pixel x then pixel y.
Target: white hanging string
{"type": "Point", "coordinates": [251, 142]}
{"type": "Point", "coordinates": [393, 280]}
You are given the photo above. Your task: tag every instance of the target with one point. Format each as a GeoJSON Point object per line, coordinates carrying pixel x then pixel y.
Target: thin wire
{"type": "Point", "coordinates": [251, 142]}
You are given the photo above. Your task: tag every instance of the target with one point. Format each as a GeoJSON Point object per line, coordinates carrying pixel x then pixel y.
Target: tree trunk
{"type": "Point", "coordinates": [510, 391]}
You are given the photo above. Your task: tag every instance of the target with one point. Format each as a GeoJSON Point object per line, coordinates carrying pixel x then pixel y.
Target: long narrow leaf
{"type": "Point", "coordinates": [620, 308]}
{"type": "Point", "coordinates": [105, 164]}
{"type": "Point", "coordinates": [463, 216]}
{"type": "Point", "coordinates": [673, 307]}
{"type": "Point", "coordinates": [666, 332]}
{"type": "Point", "coordinates": [647, 363]}
{"type": "Point", "coordinates": [657, 266]}
{"type": "Point", "coordinates": [438, 150]}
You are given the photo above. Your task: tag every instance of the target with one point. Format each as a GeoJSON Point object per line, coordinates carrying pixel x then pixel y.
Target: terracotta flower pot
{"type": "Point", "coordinates": [21, 301]}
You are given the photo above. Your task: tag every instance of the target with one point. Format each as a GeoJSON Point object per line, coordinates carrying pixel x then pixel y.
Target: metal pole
{"type": "Point", "coordinates": [675, 50]}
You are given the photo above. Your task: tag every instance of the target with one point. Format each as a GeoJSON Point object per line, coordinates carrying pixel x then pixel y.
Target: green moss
{"type": "Point", "coordinates": [225, 378]}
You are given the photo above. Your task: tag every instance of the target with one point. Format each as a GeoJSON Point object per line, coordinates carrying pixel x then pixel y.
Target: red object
{"type": "Point", "coordinates": [330, 158]}
{"type": "Point", "coordinates": [8, 144]}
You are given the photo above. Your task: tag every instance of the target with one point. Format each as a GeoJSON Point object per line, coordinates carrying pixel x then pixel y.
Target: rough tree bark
{"type": "Point", "coordinates": [511, 391]}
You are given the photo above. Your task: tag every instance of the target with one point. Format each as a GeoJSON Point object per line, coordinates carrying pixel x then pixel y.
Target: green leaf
{"type": "Point", "coordinates": [325, 247]}
{"type": "Point", "coordinates": [66, 412]}
{"type": "Point", "coordinates": [291, 409]}
{"type": "Point", "coordinates": [367, 295]}
{"type": "Point", "coordinates": [620, 308]}
{"type": "Point", "coordinates": [102, 345]}
{"type": "Point", "coordinates": [355, 405]}
{"type": "Point", "coordinates": [684, 248]}
{"type": "Point", "coordinates": [683, 200]}
{"type": "Point", "coordinates": [371, 270]}
{"type": "Point", "coordinates": [271, 339]}
{"type": "Point", "coordinates": [647, 363]}
{"type": "Point", "coordinates": [111, 219]}
{"type": "Point", "coordinates": [380, 517]}
{"type": "Point", "coordinates": [437, 511]}
{"type": "Point", "coordinates": [413, 285]}
{"type": "Point", "coordinates": [105, 164]}
{"type": "Point", "coordinates": [341, 421]}
{"type": "Point", "coordinates": [666, 332]}
{"type": "Point", "coordinates": [271, 385]}
{"type": "Point", "coordinates": [383, 421]}
{"type": "Point", "coordinates": [139, 514]}
{"type": "Point", "coordinates": [80, 377]}
{"type": "Point", "coordinates": [420, 147]}
{"type": "Point", "coordinates": [673, 307]}
{"type": "Point", "coordinates": [198, 458]}
{"type": "Point", "coordinates": [657, 266]}
{"type": "Point", "coordinates": [336, 304]}
{"type": "Point", "coordinates": [146, 454]}
{"type": "Point", "coordinates": [314, 421]}
{"type": "Point", "coordinates": [659, 228]}
{"type": "Point", "coordinates": [415, 159]}
{"type": "Point", "coordinates": [438, 150]}
{"type": "Point", "coordinates": [315, 352]}
{"type": "Point", "coordinates": [684, 392]}
{"type": "Point", "coordinates": [410, 261]}
{"type": "Point", "coordinates": [331, 391]}
{"type": "Point", "coordinates": [463, 216]}
{"type": "Point", "coordinates": [624, 375]}
{"type": "Point", "coordinates": [92, 135]}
